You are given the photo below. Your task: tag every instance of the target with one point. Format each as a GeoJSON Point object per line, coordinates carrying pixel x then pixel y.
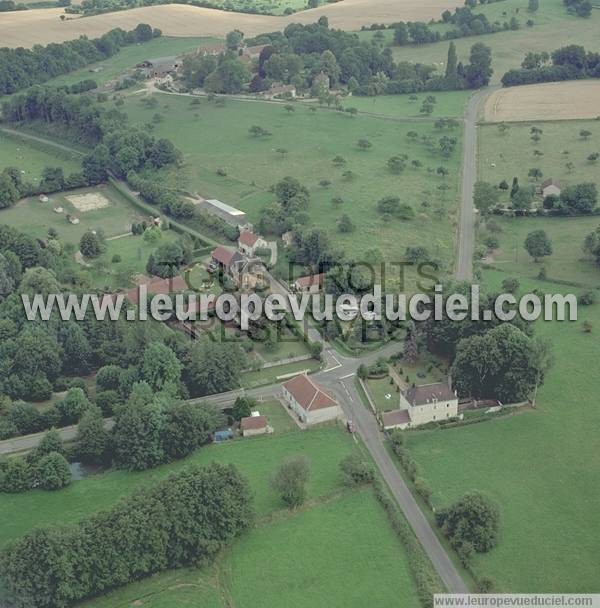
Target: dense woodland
{"type": "Point", "coordinates": [184, 520]}
{"type": "Point", "coordinates": [302, 54]}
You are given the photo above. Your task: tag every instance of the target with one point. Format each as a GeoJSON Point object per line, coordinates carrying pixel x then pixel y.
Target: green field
{"type": "Point", "coordinates": [513, 152]}
{"type": "Point", "coordinates": [567, 262]}
{"type": "Point", "coordinates": [448, 104]}
{"type": "Point", "coordinates": [284, 558]}
{"type": "Point", "coordinates": [256, 459]}
{"type": "Point", "coordinates": [131, 55]}
{"type": "Point", "coordinates": [213, 137]}
{"type": "Point", "coordinates": [281, 554]}
{"type": "Point", "coordinates": [553, 28]}
{"type": "Point", "coordinates": [34, 217]}
{"type": "Point", "coordinates": [31, 157]}
{"type": "Point", "coordinates": [540, 466]}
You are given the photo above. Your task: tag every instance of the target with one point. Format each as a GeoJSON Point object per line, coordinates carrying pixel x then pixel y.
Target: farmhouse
{"type": "Point", "coordinates": [309, 284]}
{"type": "Point", "coordinates": [254, 425]}
{"type": "Point", "coordinates": [429, 402]}
{"type": "Point", "coordinates": [248, 242]}
{"type": "Point", "coordinates": [421, 405]}
{"type": "Point", "coordinates": [551, 187]}
{"type": "Point", "coordinates": [308, 401]}
{"type": "Point", "coordinates": [230, 214]}
{"type": "Point", "coordinates": [159, 67]}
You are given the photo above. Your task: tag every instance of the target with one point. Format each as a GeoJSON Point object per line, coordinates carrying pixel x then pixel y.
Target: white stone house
{"type": "Point", "coordinates": [310, 402]}
{"type": "Point", "coordinates": [551, 186]}
{"type": "Point", "coordinates": [429, 403]}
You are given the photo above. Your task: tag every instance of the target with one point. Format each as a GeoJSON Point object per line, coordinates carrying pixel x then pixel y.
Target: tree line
{"type": "Point", "coordinates": [567, 63]}
{"type": "Point", "coordinates": [21, 68]}
{"type": "Point", "coordinates": [489, 359]}
{"type": "Point", "coordinates": [316, 58]}
{"type": "Point", "coordinates": [465, 21]}
{"type": "Point", "coordinates": [184, 520]}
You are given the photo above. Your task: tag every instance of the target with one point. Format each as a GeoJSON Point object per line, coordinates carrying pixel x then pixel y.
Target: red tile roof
{"type": "Point", "coordinates": [156, 286]}
{"type": "Point", "coordinates": [253, 423]}
{"type": "Point", "coordinates": [310, 280]}
{"type": "Point", "coordinates": [248, 238]}
{"type": "Point", "coordinates": [308, 395]}
{"type": "Point", "coordinates": [223, 255]}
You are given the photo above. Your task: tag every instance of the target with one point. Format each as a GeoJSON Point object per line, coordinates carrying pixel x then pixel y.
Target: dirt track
{"type": "Point", "coordinates": [41, 26]}
{"type": "Point", "coordinates": [548, 101]}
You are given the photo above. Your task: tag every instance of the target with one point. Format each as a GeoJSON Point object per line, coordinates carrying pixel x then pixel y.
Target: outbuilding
{"type": "Point", "coordinates": [254, 425]}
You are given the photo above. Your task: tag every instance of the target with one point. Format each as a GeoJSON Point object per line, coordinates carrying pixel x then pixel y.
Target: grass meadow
{"type": "Point", "coordinates": [256, 460]}
{"type": "Point", "coordinates": [35, 218]}
{"type": "Point", "coordinates": [284, 557]}
{"type": "Point", "coordinates": [32, 157]}
{"type": "Point", "coordinates": [553, 28]}
{"type": "Point", "coordinates": [213, 137]}
{"type": "Point", "coordinates": [567, 262]}
{"type": "Point", "coordinates": [283, 553]}
{"type": "Point", "coordinates": [540, 466]}
{"type": "Point", "coordinates": [512, 153]}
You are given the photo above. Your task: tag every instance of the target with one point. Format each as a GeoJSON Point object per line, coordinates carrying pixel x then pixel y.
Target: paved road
{"type": "Point", "coordinates": [466, 230]}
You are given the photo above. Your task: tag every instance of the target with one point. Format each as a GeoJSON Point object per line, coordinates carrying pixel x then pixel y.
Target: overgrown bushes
{"type": "Point", "coordinates": [426, 580]}
{"type": "Point", "coordinates": [185, 519]}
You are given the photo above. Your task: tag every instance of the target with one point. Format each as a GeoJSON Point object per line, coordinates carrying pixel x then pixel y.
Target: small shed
{"type": "Point", "coordinates": [254, 425]}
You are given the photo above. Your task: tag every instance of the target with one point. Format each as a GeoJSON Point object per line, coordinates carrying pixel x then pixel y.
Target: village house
{"type": "Point", "coordinates": [551, 187]}
{"type": "Point", "coordinates": [421, 405]}
{"type": "Point", "coordinates": [308, 401]}
{"type": "Point", "coordinates": [249, 243]}
{"type": "Point", "coordinates": [155, 286]}
{"type": "Point", "coordinates": [228, 260]}
{"type": "Point", "coordinates": [254, 425]}
{"type": "Point", "coordinates": [309, 284]}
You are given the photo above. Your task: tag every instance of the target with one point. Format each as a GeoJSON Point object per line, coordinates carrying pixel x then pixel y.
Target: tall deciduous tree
{"type": "Point", "coordinates": [290, 481]}
{"type": "Point", "coordinates": [538, 245]}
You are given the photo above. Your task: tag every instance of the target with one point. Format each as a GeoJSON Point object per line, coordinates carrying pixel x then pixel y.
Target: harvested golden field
{"type": "Point", "coordinates": [548, 101]}
{"type": "Point", "coordinates": [41, 26]}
